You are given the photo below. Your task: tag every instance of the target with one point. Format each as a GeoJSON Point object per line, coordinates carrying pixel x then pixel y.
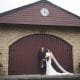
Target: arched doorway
{"type": "Point", "coordinates": [23, 53]}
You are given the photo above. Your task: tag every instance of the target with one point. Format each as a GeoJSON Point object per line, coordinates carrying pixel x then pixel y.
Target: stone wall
{"type": "Point", "coordinates": [41, 77]}
{"type": "Point", "coordinates": [9, 35]}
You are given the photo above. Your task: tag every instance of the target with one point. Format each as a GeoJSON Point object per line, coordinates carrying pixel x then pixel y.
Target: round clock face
{"type": "Point", "coordinates": [44, 12]}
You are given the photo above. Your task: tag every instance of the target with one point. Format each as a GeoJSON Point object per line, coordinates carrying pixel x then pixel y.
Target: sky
{"type": "Point", "coordinates": [70, 5]}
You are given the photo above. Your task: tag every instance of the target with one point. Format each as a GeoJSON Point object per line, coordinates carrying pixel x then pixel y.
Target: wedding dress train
{"type": "Point", "coordinates": [50, 69]}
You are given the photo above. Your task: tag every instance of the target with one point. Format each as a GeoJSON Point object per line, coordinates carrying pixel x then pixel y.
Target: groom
{"type": "Point", "coordinates": [42, 61]}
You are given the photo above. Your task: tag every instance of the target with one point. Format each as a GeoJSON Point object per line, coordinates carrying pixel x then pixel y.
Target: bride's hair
{"type": "Point", "coordinates": [48, 50]}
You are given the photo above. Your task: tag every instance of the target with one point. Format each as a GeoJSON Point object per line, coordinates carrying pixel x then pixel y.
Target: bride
{"type": "Point", "coordinates": [49, 68]}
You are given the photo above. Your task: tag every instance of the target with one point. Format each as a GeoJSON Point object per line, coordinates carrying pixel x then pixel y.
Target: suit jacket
{"type": "Point", "coordinates": [41, 57]}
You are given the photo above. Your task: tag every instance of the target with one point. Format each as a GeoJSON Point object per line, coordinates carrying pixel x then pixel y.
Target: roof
{"type": "Point", "coordinates": [31, 14]}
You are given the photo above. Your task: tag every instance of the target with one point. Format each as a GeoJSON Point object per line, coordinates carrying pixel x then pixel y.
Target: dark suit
{"type": "Point", "coordinates": [42, 62]}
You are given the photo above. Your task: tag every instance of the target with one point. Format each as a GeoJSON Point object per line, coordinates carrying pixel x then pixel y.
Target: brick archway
{"type": "Point", "coordinates": [23, 53]}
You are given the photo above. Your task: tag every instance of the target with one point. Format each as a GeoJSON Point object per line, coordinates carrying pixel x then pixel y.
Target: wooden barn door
{"type": "Point", "coordinates": [23, 53]}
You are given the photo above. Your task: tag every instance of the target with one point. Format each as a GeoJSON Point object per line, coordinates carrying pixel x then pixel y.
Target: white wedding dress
{"type": "Point", "coordinates": [49, 68]}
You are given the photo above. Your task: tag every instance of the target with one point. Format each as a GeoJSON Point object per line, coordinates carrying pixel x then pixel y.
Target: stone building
{"type": "Point", "coordinates": [23, 31]}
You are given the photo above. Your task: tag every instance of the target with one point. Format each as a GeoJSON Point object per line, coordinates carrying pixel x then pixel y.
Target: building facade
{"type": "Point", "coordinates": [24, 30]}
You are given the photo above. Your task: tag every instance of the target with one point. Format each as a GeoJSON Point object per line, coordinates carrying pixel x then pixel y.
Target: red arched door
{"type": "Point", "coordinates": [23, 53]}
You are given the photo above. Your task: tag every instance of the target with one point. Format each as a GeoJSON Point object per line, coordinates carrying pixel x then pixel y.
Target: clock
{"type": "Point", "coordinates": [44, 12]}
